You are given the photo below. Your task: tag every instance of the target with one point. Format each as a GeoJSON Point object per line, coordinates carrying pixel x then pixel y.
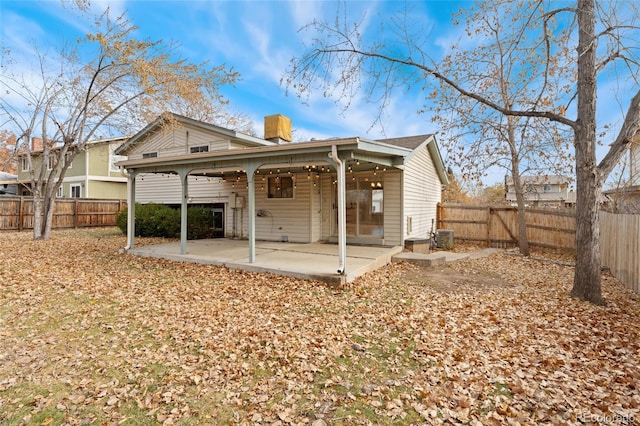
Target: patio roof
{"type": "Point", "coordinates": [293, 154]}
{"type": "Point", "coordinates": [341, 154]}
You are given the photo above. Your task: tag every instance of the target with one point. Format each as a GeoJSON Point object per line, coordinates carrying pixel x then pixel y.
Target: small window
{"type": "Point", "coordinates": [280, 187]}
{"type": "Point", "coordinates": [51, 162]}
{"type": "Point", "coordinates": [24, 164]}
{"type": "Point", "coordinates": [201, 148]}
{"type": "Point", "coordinates": [76, 191]}
{"type": "Point", "coordinates": [547, 188]}
{"type": "Point", "coordinates": [150, 155]}
{"type": "Point", "coordinates": [60, 193]}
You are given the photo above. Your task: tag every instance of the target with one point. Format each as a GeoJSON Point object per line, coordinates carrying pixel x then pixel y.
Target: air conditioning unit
{"type": "Point", "coordinates": [445, 238]}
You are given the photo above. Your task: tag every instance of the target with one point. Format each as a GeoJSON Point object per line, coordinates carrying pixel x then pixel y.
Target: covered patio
{"type": "Point", "coordinates": [313, 261]}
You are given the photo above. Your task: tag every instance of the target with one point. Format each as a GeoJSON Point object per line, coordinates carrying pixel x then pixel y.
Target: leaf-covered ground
{"type": "Point", "coordinates": [91, 336]}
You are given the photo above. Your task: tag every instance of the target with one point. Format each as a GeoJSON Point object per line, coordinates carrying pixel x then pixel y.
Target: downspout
{"type": "Point", "coordinates": [342, 217]}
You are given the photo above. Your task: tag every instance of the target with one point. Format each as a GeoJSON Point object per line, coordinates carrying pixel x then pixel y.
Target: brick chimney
{"type": "Point", "coordinates": [277, 128]}
{"type": "Point", "coordinates": [37, 144]}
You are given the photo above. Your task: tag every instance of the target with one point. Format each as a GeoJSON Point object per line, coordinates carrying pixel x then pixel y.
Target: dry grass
{"type": "Point", "coordinates": [90, 336]}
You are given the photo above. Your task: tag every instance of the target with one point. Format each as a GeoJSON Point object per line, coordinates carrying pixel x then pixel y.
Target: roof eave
{"type": "Point", "coordinates": [231, 134]}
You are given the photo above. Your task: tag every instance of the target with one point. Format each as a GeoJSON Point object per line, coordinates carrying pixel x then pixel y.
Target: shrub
{"type": "Point", "coordinates": [199, 223]}
{"type": "Point", "coordinates": [159, 220]}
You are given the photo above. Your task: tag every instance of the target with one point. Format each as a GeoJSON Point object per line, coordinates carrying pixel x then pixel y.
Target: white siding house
{"type": "Point", "coordinates": [274, 190]}
{"type": "Point", "coordinates": [543, 191]}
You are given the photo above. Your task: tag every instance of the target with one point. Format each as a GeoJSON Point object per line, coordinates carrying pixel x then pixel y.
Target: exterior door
{"type": "Point", "coordinates": [218, 221]}
{"type": "Point", "coordinates": [364, 206]}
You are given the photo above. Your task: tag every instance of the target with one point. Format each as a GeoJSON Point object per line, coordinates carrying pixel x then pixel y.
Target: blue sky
{"type": "Point", "coordinates": [257, 39]}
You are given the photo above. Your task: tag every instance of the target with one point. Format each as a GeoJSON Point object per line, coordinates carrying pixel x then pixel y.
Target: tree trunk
{"type": "Point", "coordinates": [37, 215]}
{"type": "Point", "coordinates": [48, 216]}
{"type": "Point", "coordinates": [587, 277]}
{"type": "Point", "coordinates": [523, 238]}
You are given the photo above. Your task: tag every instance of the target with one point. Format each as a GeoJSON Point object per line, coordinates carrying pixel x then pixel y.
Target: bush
{"type": "Point", "coordinates": [199, 223]}
{"type": "Point", "coordinates": [159, 220]}
{"type": "Point", "coordinates": [153, 220]}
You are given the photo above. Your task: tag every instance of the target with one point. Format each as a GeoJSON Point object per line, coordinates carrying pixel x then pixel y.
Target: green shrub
{"type": "Point", "coordinates": [159, 220]}
{"type": "Point", "coordinates": [199, 223]}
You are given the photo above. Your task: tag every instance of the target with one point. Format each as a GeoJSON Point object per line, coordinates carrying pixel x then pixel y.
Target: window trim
{"type": "Point", "coordinates": [114, 158]}
{"type": "Point", "coordinates": [198, 149]}
{"type": "Point", "coordinates": [72, 187]}
{"type": "Point", "coordinates": [278, 193]}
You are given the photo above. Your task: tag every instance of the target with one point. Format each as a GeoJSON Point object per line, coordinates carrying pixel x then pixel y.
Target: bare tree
{"type": "Point", "coordinates": [510, 74]}
{"type": "Point", "coordinates": [454, 192]}
{"type": "Point", "coordinates": [109, 84]}
{"type": "Point", "coordinates": [340, 62]}
{"type": "Point", "coordinates": [8, 162]}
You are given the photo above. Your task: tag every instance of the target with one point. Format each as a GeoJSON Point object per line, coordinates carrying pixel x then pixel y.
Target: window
{"type": "Point", "coordinates": [60, 193]}
{"type": "Point", "coordinates": [280, 187]}
{"type": "Point", "coordinates": [24, 164]}
{"type": "Point", "coordinates": [51, 162]}
{"type": "Point", "coordinates": [113, 159]}
{"type": "Point", "coordinates": [150, 155]}
{"type": "Point", "coordinates": [76, 191]}
{"type": "Point", "coordinates": [547, 188]}
{"type": "Point", "coordinates": [201, 148]}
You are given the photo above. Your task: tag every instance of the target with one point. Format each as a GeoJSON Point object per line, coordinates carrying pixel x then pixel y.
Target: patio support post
{"type": "Point", "coordinates": [250, 169]}
{"type": "Point", "coordinates": [342, 216]}
{"type": "Point", "coordinates": [131, 209]}
{"type": "Point", "coordinates": [184, 179]}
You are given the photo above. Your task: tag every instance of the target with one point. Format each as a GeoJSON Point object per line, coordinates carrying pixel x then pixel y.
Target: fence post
{"type": "Point", "coordinates": [75, 213]}
{"type": "Point", "coordinates": [21, 214]}
{"type": "Point", "coordinates": [489, 213]}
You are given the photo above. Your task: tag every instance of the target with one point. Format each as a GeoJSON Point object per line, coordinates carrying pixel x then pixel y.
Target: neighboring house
{"type": "Point", "coordinates": [8, 184]}
{"type": "Point", "coordinates": [634, 157]}
{"type": "Point", "coordinates": [92, 174]}
{"type": "Point", "coordinates": [378, 192]}
{"type": "Point", "coordinates": [626, 199]}
{"type": "Point", "coordinates": [542, 191]}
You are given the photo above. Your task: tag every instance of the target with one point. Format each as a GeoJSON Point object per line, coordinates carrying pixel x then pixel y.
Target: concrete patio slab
{"type": "Point", "coordinates": [440, 257]}
{"type": "Point", "coordinates": [315, 261]}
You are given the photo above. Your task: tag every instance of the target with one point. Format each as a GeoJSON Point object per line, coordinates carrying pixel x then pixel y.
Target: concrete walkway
{"type": "Point", "coordinates": [441, 257]}
{"type": "Point", "coordinates": [315, 261]}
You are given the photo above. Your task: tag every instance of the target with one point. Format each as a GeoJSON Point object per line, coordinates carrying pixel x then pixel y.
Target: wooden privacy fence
{"type": "Point", "coordinates": [497, 226]}
{"type": "Point", "coordinates": [620, 246]}
{"type": "Point", "coordinates": [16, 213]}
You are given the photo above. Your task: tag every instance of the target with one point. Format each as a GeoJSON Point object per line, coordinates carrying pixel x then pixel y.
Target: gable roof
{"type": "Point", "coordinates": [416, 142]}
{"type": "Point", "coordinates": [168, 116]}
{"type": "Point", "coordinates": [411, 142]}
{"type": "Point", "coordinates": [400, 149]}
